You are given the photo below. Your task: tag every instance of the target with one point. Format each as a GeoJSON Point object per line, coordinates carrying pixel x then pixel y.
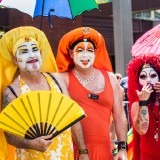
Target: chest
{"type": "Point", "coordinates": [43, 85]}
{"type": "Point", "coordinates": [100, 87]}
{"type": "Point", "coordinates": [96, 86]}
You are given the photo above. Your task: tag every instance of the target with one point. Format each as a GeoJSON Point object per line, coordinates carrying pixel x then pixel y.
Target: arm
{"type": "Point", "coordinates": [40, 144]}
{"type": "Point", "coordinates": [139, 113]}
{"type": "Point", "coordinates": [120, 120]}
{"type": "Point", "coordinates": [77, 131]}
{"type": "Point", "coordinates": [119, 116]}
{"type": "Point", "coordinates": [113, 137]}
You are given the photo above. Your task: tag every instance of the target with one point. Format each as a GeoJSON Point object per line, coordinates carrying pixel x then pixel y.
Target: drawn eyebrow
{"type": "Point", "coordinates": [34, 45]}
{"type": "Point", "coordinates": [22, 46]}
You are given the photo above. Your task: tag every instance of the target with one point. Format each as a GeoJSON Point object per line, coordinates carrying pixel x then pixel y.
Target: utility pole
{"type": "Point", "coordinates": [123, 34]}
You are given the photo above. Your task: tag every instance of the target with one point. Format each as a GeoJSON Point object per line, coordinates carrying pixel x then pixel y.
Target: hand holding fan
{"type": "Point", "coordinates": [40, 113]}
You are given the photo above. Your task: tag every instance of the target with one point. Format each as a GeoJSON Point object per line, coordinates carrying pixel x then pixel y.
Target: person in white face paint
{"type": "Point", "coordinates": [29, 48]}
{"type": "Point", "coordinates": [28, 57]}
{"type": "Point", "coordinates": [83, 58]}
{"type": "Point", "coordinates": [143, 92]}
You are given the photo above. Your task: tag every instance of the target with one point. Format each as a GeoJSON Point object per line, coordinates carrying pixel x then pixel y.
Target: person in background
{"type": "Point", "coordinates": [124, 84]}
{"type": "Point", "coordinates": [30, 56]}
{"type": "Point", "coordinates": [119, 77]}
{"type": "Point", "coordinates": [83, 60]}
{"type": "Point", "coordinates": [143, 93]}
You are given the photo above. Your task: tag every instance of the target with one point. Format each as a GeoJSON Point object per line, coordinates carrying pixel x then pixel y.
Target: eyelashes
{"type": "Point", "coordinates": [23, 51]}
{"type": "Point", "coordinates": [142, 76]}
{"type": "Point", "coordinates": [145, 76]}
{"type": "Point", "coordinates": [153, 75]}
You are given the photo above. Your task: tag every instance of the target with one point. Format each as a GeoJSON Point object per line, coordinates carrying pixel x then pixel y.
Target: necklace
{"type": "Point", "coordinates": [157, 120]}
{"type": "Point", "coordinates": [81, 80]}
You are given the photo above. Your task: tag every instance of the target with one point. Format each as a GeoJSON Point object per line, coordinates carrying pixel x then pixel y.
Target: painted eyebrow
{"type": "Point", "coordinates": [26, 45]}
{"type": "Point", "coordinates": [144, 72]}
{"type": "Point", "coordinates": [34, 45]}
{"type": "Point", "coordinates": [153, 71]}
{"type": "Point", "coordinates": [22, 46]}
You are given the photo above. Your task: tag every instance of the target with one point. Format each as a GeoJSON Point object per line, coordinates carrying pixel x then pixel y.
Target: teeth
{"type": "Point", "coordinates": [85, 60]}
{"type": "Point", "coordinates": [32, 60]}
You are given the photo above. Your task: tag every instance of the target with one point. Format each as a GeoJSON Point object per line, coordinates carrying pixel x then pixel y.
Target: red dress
{"type": "Point", "coordinates": [96, 126]}
{"type": "Point", "coordinates": [149, 147]}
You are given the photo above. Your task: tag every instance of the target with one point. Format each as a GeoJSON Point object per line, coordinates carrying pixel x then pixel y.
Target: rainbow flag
{"type": "Point", "coordinates": [130, 144]}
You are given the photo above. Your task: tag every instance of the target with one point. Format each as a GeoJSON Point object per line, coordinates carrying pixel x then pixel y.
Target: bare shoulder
{"type": "Point", "coordinates": [113, 79]}
{"type": "Point", "coordinates": [8, 96]}
{"type": "Point", "coordinates": [61, 77]}
{"type": "Point", "coordinates": [111, 75]}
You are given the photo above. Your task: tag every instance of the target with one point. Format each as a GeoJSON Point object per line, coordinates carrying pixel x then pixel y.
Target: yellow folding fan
{"type": "Point", "coordinates": [40, 113]}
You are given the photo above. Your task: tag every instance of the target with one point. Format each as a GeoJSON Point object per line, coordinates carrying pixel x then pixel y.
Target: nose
{"type": "Point", "coordinates": [85, 54]}
{"type": "Point", "coordinates": [149, 80]}
{"type": "Point", "coordinates": [31, 54]}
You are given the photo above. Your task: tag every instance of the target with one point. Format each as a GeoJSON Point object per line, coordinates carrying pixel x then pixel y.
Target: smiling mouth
{"type": "Point", "coordinates": [85, 62]}
{"type": "Point", "coordinates": [32, 61]}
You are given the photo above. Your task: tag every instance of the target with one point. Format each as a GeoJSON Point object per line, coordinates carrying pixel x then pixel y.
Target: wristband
{"type": "Point", "coordinates": [83, 151]}
{"type": "Point", "coordinates": [122, 146]}
{"type": "Point", "coordinates": [143, 103]}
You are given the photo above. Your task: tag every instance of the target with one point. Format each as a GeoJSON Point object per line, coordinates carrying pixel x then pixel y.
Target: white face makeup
{"type": "Point", "coordinates": [84, 54]}
{"type": "Point", "coordinates": [28, 57]}
{"type": "Point", "coordinates": [148, 75]}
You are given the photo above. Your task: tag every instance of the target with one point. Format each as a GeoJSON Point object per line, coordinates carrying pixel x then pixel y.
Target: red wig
{"type": "Point", "coordinates": [133, 70]}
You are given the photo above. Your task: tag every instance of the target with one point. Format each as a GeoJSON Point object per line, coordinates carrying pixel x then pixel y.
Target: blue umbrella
{"type": "Point", "coordinates": [60, 8]}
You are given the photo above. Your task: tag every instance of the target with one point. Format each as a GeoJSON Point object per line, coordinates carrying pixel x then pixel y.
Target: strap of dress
{"type": "Point", "coordinates": [12, 90]}
{"type": "Point", "coordinates": [55, 81]}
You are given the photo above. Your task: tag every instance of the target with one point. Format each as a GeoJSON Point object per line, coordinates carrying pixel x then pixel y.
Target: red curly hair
{"type": "Point", "coordinates": [133, 71]}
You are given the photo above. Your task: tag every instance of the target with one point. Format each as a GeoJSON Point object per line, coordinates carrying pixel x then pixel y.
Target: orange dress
{"type": "Point", "coordinates": [96, 126]}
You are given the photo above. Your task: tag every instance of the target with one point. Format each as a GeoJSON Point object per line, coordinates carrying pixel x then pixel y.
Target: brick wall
{"type": "Point", "coordinates": [60, 25]}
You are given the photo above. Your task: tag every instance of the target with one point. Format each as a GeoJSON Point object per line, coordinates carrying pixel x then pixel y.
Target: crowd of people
{"type": "Point", "coordinates": [83, 71]}
{"type": "Point", "coordinates": [27, 69]}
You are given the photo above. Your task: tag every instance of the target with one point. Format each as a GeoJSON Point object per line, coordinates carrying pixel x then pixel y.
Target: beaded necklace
{"type": "Point", "coordinates": [81, 80]}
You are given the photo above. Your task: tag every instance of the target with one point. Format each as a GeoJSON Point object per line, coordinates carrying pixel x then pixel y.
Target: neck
{"type": "Point", "coordinates": [85, 71]}
{"type": "Point", "coordinates": [84, 76]}
{"type": "Point", "coordinates": [33, 77]}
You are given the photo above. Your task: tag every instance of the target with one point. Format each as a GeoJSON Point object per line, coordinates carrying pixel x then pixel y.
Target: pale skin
{"type": "Point", "coordinates": [97, 86]}
{"type": "Point", "coordinates": [119, 77]}
{"type": "Point", "coordinates": [112, 127]}
{"type": "Point", "coordinates": [140, 115]}
{"type": "Point", "coordinates": [30, 73]}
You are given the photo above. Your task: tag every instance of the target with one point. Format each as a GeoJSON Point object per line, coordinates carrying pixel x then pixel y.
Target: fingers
{"type": "Point", "coordinates": [48, 137]}
{"type": "Point", "coordinates": [137, 91]}
{"type": "Point", "coordinates": [42, 143]}
{"type": "Point", "coordinates": [145, 93]}
{"type": "Point", "coordinates": [147, 87]}
{"type": "Point", "coordinates": [157, 86]}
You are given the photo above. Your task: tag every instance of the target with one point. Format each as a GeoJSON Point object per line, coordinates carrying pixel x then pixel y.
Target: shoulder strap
{"type": "Point", "coordinates": [12, 90]}
{"type": "Point", "coordinates": [55, 81]}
